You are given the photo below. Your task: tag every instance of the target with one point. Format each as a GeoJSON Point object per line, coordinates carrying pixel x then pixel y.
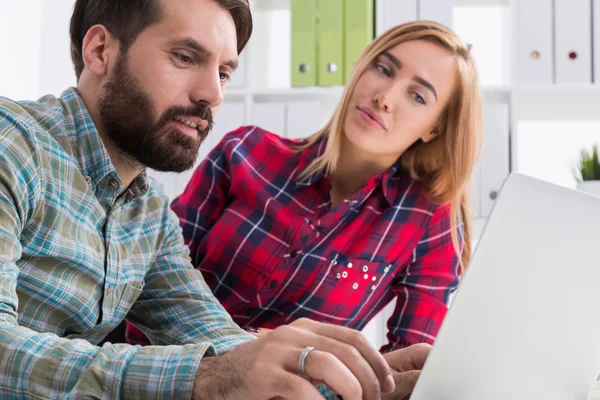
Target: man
{"type": "Point", "coordinates": [87, 239]}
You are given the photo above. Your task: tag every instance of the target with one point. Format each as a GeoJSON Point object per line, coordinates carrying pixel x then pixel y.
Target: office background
{"type": "Point", "coordinates": [538, 60]}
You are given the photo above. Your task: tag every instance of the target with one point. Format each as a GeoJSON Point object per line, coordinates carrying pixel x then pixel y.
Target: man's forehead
{"type": "Point", "coordinates": [203, 21]}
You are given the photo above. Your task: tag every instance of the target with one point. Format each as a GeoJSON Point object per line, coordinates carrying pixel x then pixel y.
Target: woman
{"type": "Point", "coordinates": [370, 208]}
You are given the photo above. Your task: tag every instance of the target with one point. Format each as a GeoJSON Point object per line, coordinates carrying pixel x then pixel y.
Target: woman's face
{"type": "Point", "coordinates": [399, 98]}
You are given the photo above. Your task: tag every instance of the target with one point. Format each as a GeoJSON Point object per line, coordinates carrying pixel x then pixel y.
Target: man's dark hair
{"type": "Point", "coordinates": [125, 19]}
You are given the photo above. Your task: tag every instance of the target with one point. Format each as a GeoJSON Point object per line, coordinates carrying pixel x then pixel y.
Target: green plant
{"type": "Point", "coordinates": [589, 165]}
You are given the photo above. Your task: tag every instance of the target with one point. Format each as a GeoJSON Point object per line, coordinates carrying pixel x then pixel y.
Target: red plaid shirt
{"type": "Point", "coordinates": [272, 250]}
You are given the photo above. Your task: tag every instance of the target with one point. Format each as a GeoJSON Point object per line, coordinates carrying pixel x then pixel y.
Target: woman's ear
{"type": "Point", "coordinates": [428, 137]}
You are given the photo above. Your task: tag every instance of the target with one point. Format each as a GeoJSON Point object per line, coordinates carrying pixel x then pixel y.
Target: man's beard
{"type": "Point", "coordinates": [130, 122]}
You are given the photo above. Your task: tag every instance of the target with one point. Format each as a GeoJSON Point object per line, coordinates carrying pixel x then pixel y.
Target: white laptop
{"type": "Point", "coordinates": [525, 321]}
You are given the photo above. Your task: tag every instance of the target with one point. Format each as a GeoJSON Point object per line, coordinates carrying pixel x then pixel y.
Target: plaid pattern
{"type": "Point", "coordinates": [76, 259]}
{"type": "Point", "coordinates": [272, 250]}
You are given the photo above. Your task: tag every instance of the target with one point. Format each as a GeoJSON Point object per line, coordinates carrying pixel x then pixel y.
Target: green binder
{"type": "Point", "coordinates": [330, 56]}
{"type": "Point", "coordinates": [304, 42]}
{"type": "Point", "coordinates": [359, 31]}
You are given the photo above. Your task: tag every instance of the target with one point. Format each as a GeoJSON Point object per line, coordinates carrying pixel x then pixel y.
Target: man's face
{"type": "Point", "coordinates": [160, 96]}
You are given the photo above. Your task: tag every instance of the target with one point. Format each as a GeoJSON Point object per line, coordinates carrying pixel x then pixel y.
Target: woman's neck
{"type": "Point", "coordinates": [353, 171]}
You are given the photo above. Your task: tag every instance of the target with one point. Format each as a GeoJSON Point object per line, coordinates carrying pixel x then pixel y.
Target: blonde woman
{"type": "Point", "coordinates": [371, 208]}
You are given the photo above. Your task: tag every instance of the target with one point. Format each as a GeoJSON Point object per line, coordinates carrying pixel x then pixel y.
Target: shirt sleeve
{"type": "Point", "coordinates": [42, 365]}
{"type": "Point", "coordinates": [204, 198]}
{"type": "Point", "coordinates": [176, 305]}
{"type": "Point", "coordinates": [426, 284]}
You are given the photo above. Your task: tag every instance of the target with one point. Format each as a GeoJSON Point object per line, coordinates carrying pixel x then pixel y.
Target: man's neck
{"type": "Point", "coordinates": [127, 168]}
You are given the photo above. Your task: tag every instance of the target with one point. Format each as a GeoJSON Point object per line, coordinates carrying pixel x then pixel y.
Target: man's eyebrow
{"type": "Point", "coordinates": [195, 46]}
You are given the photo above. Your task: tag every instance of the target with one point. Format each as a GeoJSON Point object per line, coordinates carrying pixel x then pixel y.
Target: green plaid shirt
{"type": "Point", "coordinates": [76, 259]}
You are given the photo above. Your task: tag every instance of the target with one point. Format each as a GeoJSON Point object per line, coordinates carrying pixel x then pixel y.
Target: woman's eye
{"type": "Point", "coordinates": [418, 98]}
{"type": "Point", "coordinates": [384, 70]}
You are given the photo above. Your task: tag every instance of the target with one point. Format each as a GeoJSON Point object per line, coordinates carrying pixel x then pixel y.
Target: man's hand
{"type": "Point", "coordinates": [406, 365]}
{"type": "Point", "coordinates": [268, 366]}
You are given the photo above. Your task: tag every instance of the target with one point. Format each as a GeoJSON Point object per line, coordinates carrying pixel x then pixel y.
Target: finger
{"type": "Point", "coordinates": [355, 339]}
{"type": "Point", "coordinates": [324, 366]}
{"type": "Point", "coordinates": [351, 358]}
{"type": "Point", "coordinates": [405, 383]}
{"type": "Point", "coordinates": [410, 358]}
{"type": "Point", "coordinates": [292, 387]}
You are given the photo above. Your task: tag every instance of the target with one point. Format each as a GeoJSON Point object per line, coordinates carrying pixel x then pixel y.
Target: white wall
{"type": "Point", "coordinates": [34, 59]}
{"type": "Point", "coordinates": [20, 55]}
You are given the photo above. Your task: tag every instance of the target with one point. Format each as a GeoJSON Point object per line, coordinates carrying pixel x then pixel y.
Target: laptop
{"type": "Point", "coordinates": [525, 321]}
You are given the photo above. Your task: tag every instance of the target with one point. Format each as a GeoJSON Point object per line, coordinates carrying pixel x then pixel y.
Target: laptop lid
{"type": "Point", "coordinates": [525, 321]}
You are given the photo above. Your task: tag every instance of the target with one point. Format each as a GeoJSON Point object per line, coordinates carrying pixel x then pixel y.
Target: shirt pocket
{"type": "Point", "coordinates": [347, 288]}
{"type": "Point", "coordinates": [131, 292]}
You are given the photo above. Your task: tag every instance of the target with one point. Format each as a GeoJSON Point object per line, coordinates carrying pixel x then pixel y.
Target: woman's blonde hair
{"type": "Point", "coordinates": [443, 165]}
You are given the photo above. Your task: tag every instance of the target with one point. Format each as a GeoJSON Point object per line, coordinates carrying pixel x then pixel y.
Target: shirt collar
{"type": "Point", "coordinates": [89, 150]}
{"type": "Point", "coordinates": [390, 180]}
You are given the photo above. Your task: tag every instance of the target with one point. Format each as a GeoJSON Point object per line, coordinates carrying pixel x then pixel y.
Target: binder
{"type": "Point", "coordinates": [330, 54]}
{"type": "Point", "coordinates": [573, 41]}
{"type": "Point", "coordinates": [494, 158]}
{"type": "Point", "coordinates": [390, 13]}
{"type": "Point", "coordinates": [475, 191]}
{"type": "Point", "coordinates": [533, 27]}
{"type": "Point", "coordinates": [304, 42]}
{"type": "Point", "coordinates": [436, 10]}
{"type": "Point", "coordinates": [269, 116]}
{"type": "Point", "coordinates": [596, 42]}
{"type": "Point", "coordinates": [359, 26]}
{"type": "Point", "coordinates": [303, 118]}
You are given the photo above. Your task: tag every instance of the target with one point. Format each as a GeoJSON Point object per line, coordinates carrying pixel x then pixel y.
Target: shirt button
{"type": "Point", "coordinates": [293, 253]}
{"type": "Point", "coordinates": [113, 184]}
{"type": "Point", "coordinates": [88, 179]}
{"type": "Point", "coordinates": [351, 203]}
{"type": "Point", "coordinates": [274, 283]}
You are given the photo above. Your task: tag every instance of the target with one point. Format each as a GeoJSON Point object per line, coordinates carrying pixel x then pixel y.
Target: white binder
{"type": "Point", "coordinates": [475, 191]}
{"type": "Point", "coordinates": [494, 154]}
{"type": "Point", "coordinates": [390, 13]}
{"type": "Point", "coordinates": [436, 10]}
{"type": "Point", "coordinates": [533, 41]}
{"type": "Point", "coordinates": [303, 118]}
{"type": "Point", "coordinates": [269, 116]}
{"type": "Point", "coordinates": [596, 42]}
{"type": "Point", "coordinates": [573, 41]}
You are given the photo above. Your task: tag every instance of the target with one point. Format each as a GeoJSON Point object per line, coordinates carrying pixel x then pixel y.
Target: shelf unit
{"type": "Point", "coordinates": [266, 77]}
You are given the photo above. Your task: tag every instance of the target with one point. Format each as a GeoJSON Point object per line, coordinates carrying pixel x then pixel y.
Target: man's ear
{"type": "Point", "coordinates": [98, 50]}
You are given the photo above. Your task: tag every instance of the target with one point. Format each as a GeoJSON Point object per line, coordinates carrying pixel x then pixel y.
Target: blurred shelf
{"type": "Point", "coordinates": [303, 92]}
{"type": "Point", "coordinates": [476, 3]}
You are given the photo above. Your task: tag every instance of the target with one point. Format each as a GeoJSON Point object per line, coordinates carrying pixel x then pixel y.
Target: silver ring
{"type": "Point", "coordinates": [302, 360]}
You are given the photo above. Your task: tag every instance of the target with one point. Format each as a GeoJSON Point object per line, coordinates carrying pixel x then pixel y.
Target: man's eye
{"type": "Point", "coordinates": [184, 59]}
